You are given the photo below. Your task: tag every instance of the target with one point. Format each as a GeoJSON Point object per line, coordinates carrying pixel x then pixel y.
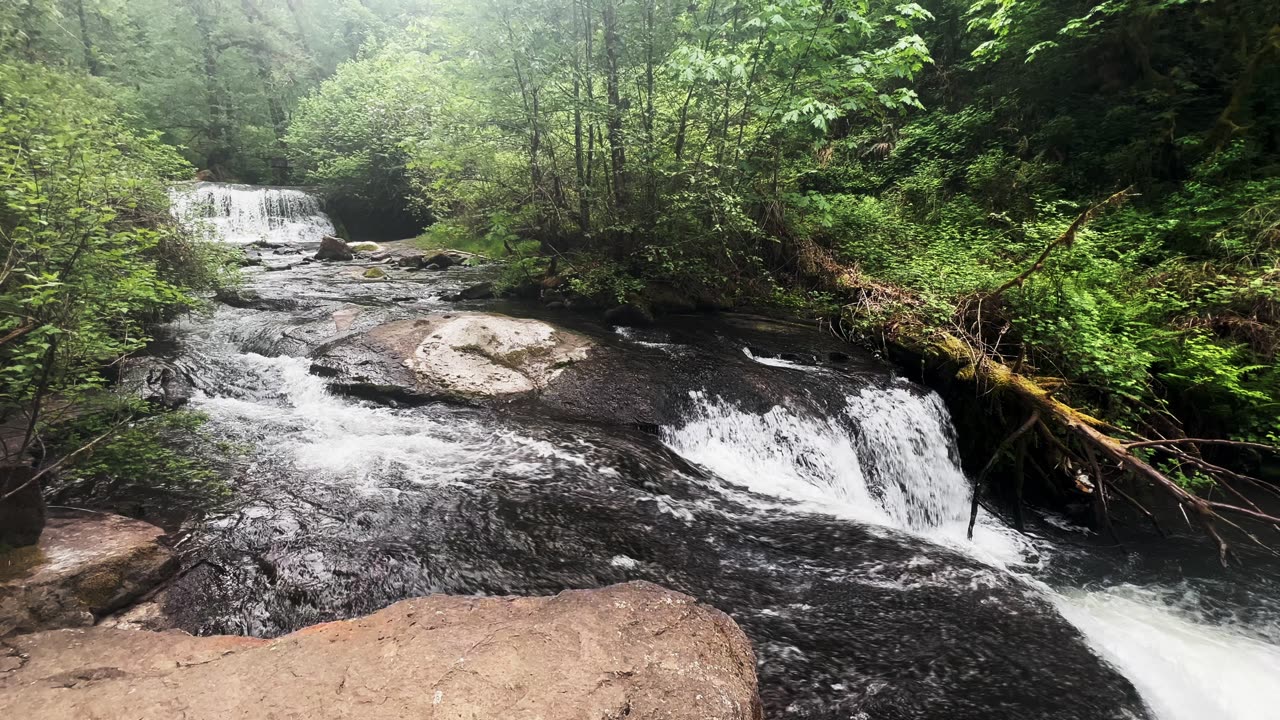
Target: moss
{"type": "Point", "coordinates": [375, 273]}
{"type": "Point", "coordinates": [18, 562]}
{"type": "Point", "coordinates": [365, 247]}
{"type": "Point", "coordinates": [98, 589]}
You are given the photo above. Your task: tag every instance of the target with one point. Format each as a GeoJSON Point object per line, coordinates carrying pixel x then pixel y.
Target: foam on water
{"type": "Point", "coordinates": [243, 214]}
{"type": "Point", "coordinates": [1186, 667]}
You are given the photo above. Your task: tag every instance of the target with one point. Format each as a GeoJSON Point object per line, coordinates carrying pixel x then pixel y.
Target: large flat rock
{"type": "Point", "coordinates": [635, 650]}
{"type": "Point", "coordinates": [455, 356]}
{"type": "Point", "coordinates": [82, 568]}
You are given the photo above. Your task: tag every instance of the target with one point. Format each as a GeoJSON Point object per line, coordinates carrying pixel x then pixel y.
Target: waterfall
{"type": "Point", "coordinates": [244, 213]}
{"type": "Point", "coordinates": [891, 460]}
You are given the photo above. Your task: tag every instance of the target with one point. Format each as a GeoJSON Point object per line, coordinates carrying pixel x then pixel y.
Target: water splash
{"type": "Point", "coordinates": [889, 461]}
{"type": "Point", "coordinates": [1187, 667]}
{"type": "Point", "coordinates": [243, 214]}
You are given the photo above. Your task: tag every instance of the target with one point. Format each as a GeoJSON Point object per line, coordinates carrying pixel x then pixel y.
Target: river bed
{"type": "Point", "coordinates": [831, 529]}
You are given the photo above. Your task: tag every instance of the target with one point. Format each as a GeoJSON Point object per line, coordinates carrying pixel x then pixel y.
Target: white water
{"type": "Point", "coordinates": [243, 214]}
{"type": "Point", "coordinates": [1186, 667]}
{"type": "Point", "coordinates": [899, 468]}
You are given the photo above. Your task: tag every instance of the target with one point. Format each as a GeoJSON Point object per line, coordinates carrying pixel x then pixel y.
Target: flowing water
{"type": "Point", "coordinates": [243, 214]}
{"type": "Point", "coordinates": [830, 525]}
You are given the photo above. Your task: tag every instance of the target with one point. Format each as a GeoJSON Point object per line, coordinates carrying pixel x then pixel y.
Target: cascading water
{"type": "Point", "coordinates": [833, 528]}
{"type": "Point", "coordinates": [245, 213]}
{"type": "Point", "coordinates": [889, 459]}
{"type": "Point", "coordinates": [897, 466]}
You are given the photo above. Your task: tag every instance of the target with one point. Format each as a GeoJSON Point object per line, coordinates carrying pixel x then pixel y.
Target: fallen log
{"type": "Point", "coordinates": [1100, 440]}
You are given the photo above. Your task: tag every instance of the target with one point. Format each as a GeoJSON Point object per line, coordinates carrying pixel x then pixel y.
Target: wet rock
{"type": "Point", "coordinates": [332, 248]}
{"type": "Point", "coordinates": [629, 315]}
{"type": "Point", "coordinates": [634, 650]}
{"type": "Point", "coordinates": [462, 356]}
{"type": "Point", "coordinates": [441, 261]}
{"type": "Point", "coordinates": [479, 291]}
{"type": "Point", "coordinates": [411, 260]}
{"type": "Point", "coordinates": [374, 273]}
{"type": "Point", "coordinates": [82, 568]}
{"type": "Point", "coordinates": [22, 514]}
{"type": "Point", "coordinates": [342, 319]}
{"type": "Point", "coordinates": [250, 300]}
{"type": "Point", "coordinates": [157, 381]}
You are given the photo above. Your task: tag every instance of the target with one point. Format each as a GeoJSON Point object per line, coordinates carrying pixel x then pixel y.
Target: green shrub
{"type": "Point", "coordinates": [158, 465]}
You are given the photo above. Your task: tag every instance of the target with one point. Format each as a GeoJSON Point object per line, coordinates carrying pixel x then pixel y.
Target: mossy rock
{"type": "Point", "coordinates": [18, 562]}
{"type": "Point", "coordinates": [374, 273]}
{"type": "Point", "coordinates": [366, 247]}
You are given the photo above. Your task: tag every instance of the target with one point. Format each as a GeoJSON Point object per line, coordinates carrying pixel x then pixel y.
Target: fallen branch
{"type": "Point", "coordinates": [977, 484]}
{"type": "Point", "coordinates": [1203, 441]}
{"type": "Point", "coordinates": [1067, 237]}
{"type": "Point", "coordinates": [1110, 447]}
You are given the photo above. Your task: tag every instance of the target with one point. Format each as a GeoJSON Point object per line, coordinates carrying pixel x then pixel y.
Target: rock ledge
{"type": "Point", "coordinates": [635, 650]}
{"type": "Point", "coordinates": [82, 568]}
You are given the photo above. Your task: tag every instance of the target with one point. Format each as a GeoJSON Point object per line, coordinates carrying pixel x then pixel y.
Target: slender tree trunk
{"type": "Point", "coordinates": [683, 125]}
{"type": "Point", "coordinates": [580, 160]}
{"type": "Point", "coordinates": [265, 62]}
{"type": "Point", "coordinates": [650, 153]}
{"type": "Point", "coordinates": [617, 151]}
{"type": "Point", "coordinates": [218, 152]}
{"type": "Point", "coordinates": [589, 32]}
{"type": "Point", "coordinates": [90, 57]}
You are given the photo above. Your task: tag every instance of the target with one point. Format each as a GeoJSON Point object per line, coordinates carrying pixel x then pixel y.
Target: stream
{"type": "Point", "coordinates": [831, 526]}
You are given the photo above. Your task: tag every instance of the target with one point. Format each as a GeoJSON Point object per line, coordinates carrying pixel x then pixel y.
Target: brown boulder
{"type": "Point", "coordinates": [22, 510]}
{"type": "Point", "coordinates": [635, 651]}
{"type": "Point", "coordinates": [332, 248]}
{"type": "Point", "coordinates": [83, 568]}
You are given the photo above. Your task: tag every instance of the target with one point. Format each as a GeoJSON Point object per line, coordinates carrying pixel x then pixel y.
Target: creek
{"type": "Point", "coordinates": [831, 527]}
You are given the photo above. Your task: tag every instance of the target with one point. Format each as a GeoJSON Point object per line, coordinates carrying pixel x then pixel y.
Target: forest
{"type": "Point", "coordinates": [1074, 205]}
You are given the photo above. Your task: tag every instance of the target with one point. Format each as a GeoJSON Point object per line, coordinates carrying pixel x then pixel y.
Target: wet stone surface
{"type": "Point", "coordinates": [757, 467]}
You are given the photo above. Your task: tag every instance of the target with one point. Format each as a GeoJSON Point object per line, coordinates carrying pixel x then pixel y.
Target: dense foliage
{"type": "Point", "coordinates": [1169, 304]}
{"type": "Point", "coordinates": [936, 148]}
{"type": "Point", "coordinates": [90, 254]}
{"type": "Point", "coordinates": [735, 151]}
{"type": "Point", "coordinates": [218, 78]}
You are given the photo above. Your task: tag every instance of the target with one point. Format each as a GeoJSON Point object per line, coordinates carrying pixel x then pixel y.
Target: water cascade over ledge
{"type": "Point", "coordinates": [246, 213]}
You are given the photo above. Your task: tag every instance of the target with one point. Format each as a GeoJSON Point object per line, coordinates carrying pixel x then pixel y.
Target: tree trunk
{"type": "Point", "coordinates": [218, 152]}
{"type": "Point", "coordinates": [90, 57]}
{"type": "Point", "coordinates": [580, 160]}
{"type": "Point", "coordinates": [22, 514]}
{"type": "Point", "coordinates": [617, 151]}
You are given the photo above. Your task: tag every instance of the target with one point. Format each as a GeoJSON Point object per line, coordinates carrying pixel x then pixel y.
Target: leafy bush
{"type": "Point", "coordinates": [152, 466]}
{"type": "Point", "coordinates": [92, 254]}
